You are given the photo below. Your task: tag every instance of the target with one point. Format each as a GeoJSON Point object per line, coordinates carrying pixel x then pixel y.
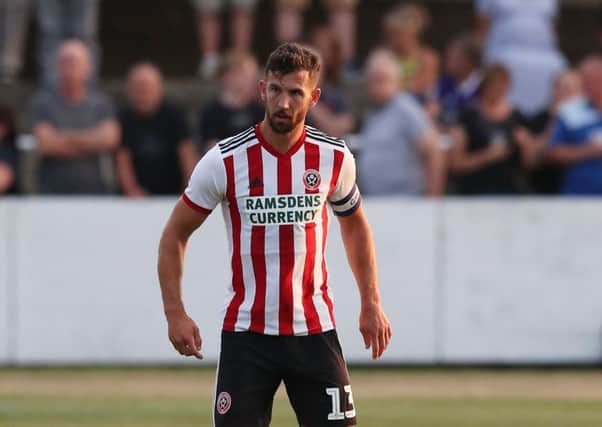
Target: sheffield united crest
{"type": "Point", "coordinates": [312, 179]}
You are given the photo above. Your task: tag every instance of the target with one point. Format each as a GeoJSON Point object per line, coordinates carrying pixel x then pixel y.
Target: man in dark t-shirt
{"type": "Point", "coordinates": [157, 154]}
{"type": "Point", "coordinates": [237, 107]}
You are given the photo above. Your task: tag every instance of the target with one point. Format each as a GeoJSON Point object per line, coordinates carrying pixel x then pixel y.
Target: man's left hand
{"type": "Point", "coordinates": [376, 329]}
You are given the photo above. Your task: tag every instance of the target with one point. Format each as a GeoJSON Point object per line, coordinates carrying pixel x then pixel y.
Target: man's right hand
{"type": "Point", "coordinates": [184, 335]}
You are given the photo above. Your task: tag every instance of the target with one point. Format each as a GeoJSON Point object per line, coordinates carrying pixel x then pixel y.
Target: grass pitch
{"type": "Point", "coordinates": [182, 397]}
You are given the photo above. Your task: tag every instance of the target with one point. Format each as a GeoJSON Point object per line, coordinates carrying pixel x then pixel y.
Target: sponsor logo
{"type": "Point", "coordinates": [256, 183]}
{"type": "Point", "coordinates": [283, 209]}
{"type": "Point", "coordinates": [223, 403]}
{"type": "Point", "coordinates": [311, 179]}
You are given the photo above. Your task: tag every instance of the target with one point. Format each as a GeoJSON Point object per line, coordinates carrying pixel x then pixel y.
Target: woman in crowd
{"type": "Point", "coordinates": [8, 152]}
{"type": "Point", "coordinates": [491, 147]}
{"type": "Point", "coordinates": [521, 35]}
{"type": "Point", "coordinates": [404, 26]}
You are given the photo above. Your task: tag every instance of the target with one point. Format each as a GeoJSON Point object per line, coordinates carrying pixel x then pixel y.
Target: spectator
{"type": "Point", "coordinates": [236, 106]}
{"type": "Point", "coordinates": [75, 129]}
{"type": "Point", "coordinates": [546, 178]}
{"type": "Point", "coordinates": [332, 114]}
{"type": "Point", "coordinates": [457, 88]}
{"type": "Point", "coordinates": [209, 27]}
{"type": "Point", "coordinates": [8, 152]}
{"type": "Point", "coordinates": [156, 155]}
{"type": "Point", "coordinates": [404, 26]}
{"type": "Point", "coordinates": [14, 16]}
{"type": "Point", "coordinates": [490, 146]}
{"type": "Point", "coordinates": [576, 141]}
{"type": "Point", "coordinates": [289, 23]}
{"type": "Point", "coordinates": [520, 35]}
{"type": "Point", "coordinates": [60, 20]}
{"type": "Point", "coordinates": [399, 151]}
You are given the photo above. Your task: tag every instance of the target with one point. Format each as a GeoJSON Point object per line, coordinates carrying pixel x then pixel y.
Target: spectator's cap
{"type": "Point", "coordinates": [292, 57]}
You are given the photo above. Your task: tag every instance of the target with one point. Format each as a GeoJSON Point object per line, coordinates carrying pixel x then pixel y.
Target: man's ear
{"type": "Point", "coordinates": [262, 86]}
{"type": "Point", "coordinates": [315, 96]}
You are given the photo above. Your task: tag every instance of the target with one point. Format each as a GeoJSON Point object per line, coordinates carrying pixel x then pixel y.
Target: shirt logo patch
{"type": "Point", "coordinates": [256, 183]}
{"type": "Point", "coordinates": [312, 179]}
{"type": "Point", "coordinates": [223, 403]}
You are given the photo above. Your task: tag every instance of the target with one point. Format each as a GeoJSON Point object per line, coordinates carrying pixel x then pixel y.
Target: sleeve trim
{"type": "Point", "coordinates": [350, 210]}
{"type": "Point", "coordinates": [194, 206]}
{"type": "Point", "coordinates": [346, 198]}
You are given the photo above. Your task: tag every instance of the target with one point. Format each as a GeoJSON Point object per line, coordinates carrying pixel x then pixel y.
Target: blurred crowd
{"type": "Point", "coordinates": [498, 112]}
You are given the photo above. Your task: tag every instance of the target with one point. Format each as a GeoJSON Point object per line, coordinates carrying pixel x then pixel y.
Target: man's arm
{"type": "Point", "coordinates": [566, 155]}
{"type": "Point", "coordinates": [357, 238]}
{"type": "Point", "coordinates": [70, 143]}
{"type": "Point", "coordinates": [183, 332]}
{"type": "Point", "coordinates": [127, 174]}
{"type": "Point", "coordinates": [434, 163]}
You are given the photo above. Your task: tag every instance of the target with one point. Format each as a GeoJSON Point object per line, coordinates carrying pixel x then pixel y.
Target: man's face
{"type": "Point", "coordinates": [455, 62]}
{"type": "Point", "coordinates": [383, 82]}
{"type": "Point", "coordinates": [73, 66]}
{"type": "Point", "coordinates": [145, 90]}
{"type": "Point", "coordinates": [242, 80]}
{"type": "Point", "coordinates": [287, 99]}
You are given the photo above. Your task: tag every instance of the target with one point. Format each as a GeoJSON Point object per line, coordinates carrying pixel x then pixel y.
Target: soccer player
{"type": "Point", "coordinates": [273, 182]}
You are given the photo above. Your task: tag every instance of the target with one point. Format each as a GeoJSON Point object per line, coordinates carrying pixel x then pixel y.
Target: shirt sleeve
{"type": "Point", "coordinates": [105, 110]}
{"type": "Point", "coordinates": [414, 123]}
{"type": "Point", "coordinates": [40, 110]}
{"type": "Point", "coordinates": [346, 198]}
{"type": "Point", "coordinates": [207, 185]}
{"type": "Point", "coordinates": [8, 155]}
{"type": "Point", "coordinates": [181, 127]}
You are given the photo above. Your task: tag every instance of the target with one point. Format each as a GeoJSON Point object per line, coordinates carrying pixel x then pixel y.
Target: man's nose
{"type": "Point", "coordinates": [284, 102]}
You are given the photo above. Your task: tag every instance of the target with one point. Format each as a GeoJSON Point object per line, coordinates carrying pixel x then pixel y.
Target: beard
{"type": "Point", "coordinates": [284, 123]}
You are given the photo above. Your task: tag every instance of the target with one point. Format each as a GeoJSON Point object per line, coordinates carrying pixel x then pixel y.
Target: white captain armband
{"type": "Point", "coordinates": [348, 204]}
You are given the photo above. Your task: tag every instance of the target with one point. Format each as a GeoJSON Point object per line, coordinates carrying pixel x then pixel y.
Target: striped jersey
{"type": "Point", "coordinates": [274, 207]}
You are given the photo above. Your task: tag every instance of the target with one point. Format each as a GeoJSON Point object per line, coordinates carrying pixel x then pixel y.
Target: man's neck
{"type": "Point", "coordinates": [281, 142]}
{"type": "Point", "coordinates": [73, 93]}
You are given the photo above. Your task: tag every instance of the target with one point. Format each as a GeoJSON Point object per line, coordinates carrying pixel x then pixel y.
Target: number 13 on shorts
{"type": "Point", "coordinates": [335, 396]}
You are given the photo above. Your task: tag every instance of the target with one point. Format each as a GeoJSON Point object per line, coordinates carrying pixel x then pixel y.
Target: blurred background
{"type": "Point", "coordinates": [477, 130]}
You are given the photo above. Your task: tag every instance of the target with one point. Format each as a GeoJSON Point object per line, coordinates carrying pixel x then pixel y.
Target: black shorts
{"type": "Point", "coordinates": [312, 367]}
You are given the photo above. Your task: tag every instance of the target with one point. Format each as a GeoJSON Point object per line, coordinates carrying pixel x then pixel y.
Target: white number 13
{"type": "Point", "coordinates": [335, 395]}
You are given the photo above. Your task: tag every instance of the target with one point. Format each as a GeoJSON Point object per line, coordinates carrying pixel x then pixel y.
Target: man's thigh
{"type": "Point", "coordinates": [317, 382]}
{"type": "Point", "coordinates": [247, 379]}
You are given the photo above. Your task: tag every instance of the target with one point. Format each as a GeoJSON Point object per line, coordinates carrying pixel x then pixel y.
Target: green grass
{"type": "Point", "coordinates": [384, 398]}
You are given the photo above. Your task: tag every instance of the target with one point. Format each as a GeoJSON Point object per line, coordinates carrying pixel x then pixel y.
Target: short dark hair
{"type": "Point", "coordinates": [292, 57]}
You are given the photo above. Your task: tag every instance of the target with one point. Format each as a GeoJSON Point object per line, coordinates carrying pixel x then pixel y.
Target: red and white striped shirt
{"type": "Point", "coordinates": [274, 206]}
